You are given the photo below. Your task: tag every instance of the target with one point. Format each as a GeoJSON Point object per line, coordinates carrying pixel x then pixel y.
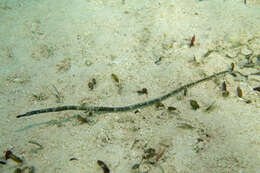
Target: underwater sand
{"type": "Point", "coordinates": [51, 50]}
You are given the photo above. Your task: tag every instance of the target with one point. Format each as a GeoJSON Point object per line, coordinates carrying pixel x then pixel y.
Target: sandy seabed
{"type": "Point", "coordinates": [51, 50]}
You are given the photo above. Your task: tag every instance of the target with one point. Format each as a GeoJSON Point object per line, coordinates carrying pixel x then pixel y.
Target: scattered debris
{"type": "Point", "coordinates": [210, 107]}
{"type": "Point", "coordinates": [115, 78]}
{"type": "Point", "coordinates": [25, 169]}
{"type": "Point", "coordinates": [248, 101]}
{"type": "Point", "coordinates": [103, 166]}
{"type": "Point", "coordinates": [149, 153]}
{"type": "Point", "coordinates": [136, 166]}
{"type": "Point", "coordinates": [136, 111]}
{"type": "Point", "coordinates": [257, 89]}
{"type": "Point", "coordinates": [42, 51]}
{"type": "Point", "coordinates": [18, 78]}
{"type": "Point", "coordinates": [39, 97]}
{"type": "Point", "coordinates": [185, 126]}
{"type": "Point", "coordinates": [208, 53]}
{"type": "Point", "coordinates": [239, 92]}
{"type": "Point", "coordinates": [201, 141]}
{"type": "Point", "coordinates": [118, 83]}
{"type": "Point", "coordinates": [40, 147]}
{"type": "Point", "coordinates": [185, 91]}
{"type": "Point", "coordinates": [171, 108]}
{"type": "Point", "coordinates": [232, 66]}
{"type": "Point", "coordinates": [64, 65]}
{"type": "Point", "coordinates": [9, 155]}
{"type": "Point", "coordinates": [18, 170]}
{"type": "Point", "coordinates": [85, 118]}
{"type": "Point", "coordinates": [57, 94]}
{"type": "Point", "coordinates": [150, 158]}
{"type": "Point", "coordinates": [194, 104]}
{"type": "Point", "coordinates": [158, 60]}
{"type": "Point", "coordinates": [225, 92]}
{"type": "Point", "coordinates": [92, 83]}
{"type": "Point", "coordinates": [2, 162]}
{"type": "Point", "coordinates": [30, 169]}
{"type": "Point", "coordinates": [73, 158]}
{"type": "Point", "coordinates": [159, 155]}
{"type": "Point", "coordinates": [159, 105]}
{"type": "Point", "coordinates": [143, 91]}
{"type": "Point", "coordinates": [257, 73]}
{"type": "Point", "coordinates": [192, 41]}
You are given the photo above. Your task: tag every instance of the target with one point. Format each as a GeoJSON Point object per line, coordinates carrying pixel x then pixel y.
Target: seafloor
{"type": "Point", "coordinates": [101, 53]}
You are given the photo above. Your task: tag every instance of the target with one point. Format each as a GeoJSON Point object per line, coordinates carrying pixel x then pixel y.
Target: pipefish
{"type": "Point", "coordinates": [123, 108]}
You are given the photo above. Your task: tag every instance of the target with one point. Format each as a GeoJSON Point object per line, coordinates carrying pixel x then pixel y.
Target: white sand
{"type": "Point", "coordinates": [66, 43]}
